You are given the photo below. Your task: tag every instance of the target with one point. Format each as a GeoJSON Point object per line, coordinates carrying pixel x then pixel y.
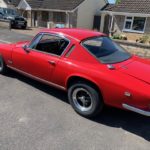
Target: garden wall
{"type": "Point", "coordinates": [141, 50]}
{"type": "Point", "coordinates": [5, 24]}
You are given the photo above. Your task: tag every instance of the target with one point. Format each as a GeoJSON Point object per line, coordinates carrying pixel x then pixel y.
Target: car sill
{"type": "Point", "coordinates": [38, 79]}
{"type": "Point", "coordinates": [137, 110]}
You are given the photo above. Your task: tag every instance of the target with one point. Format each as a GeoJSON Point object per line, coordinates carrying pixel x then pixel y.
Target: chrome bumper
{"type": "Point", "coordinates": [139, 111]}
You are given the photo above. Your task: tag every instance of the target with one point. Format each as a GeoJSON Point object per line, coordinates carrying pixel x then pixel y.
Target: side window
{"type": "Point", "coordinates": [35, 41]}
{"type": "Point", "coordinates": [1, 14]}
{"type": "Point", "coordinates": [52, 44]}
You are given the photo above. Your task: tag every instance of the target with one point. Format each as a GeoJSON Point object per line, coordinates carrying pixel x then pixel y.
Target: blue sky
{"type": "Point", "coordinates": [111, 1]}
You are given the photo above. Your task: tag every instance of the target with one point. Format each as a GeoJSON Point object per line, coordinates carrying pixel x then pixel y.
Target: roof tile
{"type": "Point", "coordinates": [131, 6]}
{"type": "Point", "coordinates": [55, 4]}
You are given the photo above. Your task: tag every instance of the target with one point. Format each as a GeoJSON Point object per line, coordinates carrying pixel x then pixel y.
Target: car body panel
{"type": "Point", "coordinates": [141, 72]}
{"type": "Point", "coordinates": [76, 34]}
{"type": "Point", "coordinates": [128, 83]}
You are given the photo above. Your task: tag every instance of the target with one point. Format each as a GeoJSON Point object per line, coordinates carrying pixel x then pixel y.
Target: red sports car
{"type": "Point", "coordinates": [92, 68]}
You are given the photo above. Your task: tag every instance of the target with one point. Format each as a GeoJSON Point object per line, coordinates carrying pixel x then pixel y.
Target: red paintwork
{"type": "Point", "coordinates": [131, 76]}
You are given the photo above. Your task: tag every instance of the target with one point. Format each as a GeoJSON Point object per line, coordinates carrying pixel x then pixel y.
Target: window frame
{"type": "Point", "coordinates": [50, 34]}
{"type": "Point", "coordinates": [132, 21]}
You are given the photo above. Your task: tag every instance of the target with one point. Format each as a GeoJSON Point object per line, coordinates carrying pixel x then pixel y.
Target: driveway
{"type": "Point", "coordinates": [34, 116]}
{"type": "Point", "coordinates": [7, 36]}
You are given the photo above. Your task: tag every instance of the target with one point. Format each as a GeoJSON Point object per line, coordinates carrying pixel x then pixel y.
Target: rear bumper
{"type": "Point", "coordinates": [17, 24]}
{"type": "Point", "coordinates": [137, 110]}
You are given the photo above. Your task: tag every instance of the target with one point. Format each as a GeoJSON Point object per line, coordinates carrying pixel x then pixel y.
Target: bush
{"type": "Point", "coordinates": [116, 36]}
{"type": "Point", "coordinates": [119, 37]}
{"type": "Point", "coordinates": [144, 39]}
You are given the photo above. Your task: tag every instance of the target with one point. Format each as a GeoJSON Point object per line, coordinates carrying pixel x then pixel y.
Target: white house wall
{"type": "Point", "coordinates": [86, 12]}
{"type": "Point", "coordinates": [3, 4]}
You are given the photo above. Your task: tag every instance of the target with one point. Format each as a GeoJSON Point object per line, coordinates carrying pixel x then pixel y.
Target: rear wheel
{"type": "Point", "coordinates": [85, 99]}
{"type": "Point", "coordinates": [3, 67]}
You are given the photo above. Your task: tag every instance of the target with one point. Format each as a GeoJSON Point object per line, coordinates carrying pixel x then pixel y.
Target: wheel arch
{"type": "Point", "coordinates": [77, 78]}
{"type": "Point", "coordinates": [4, 58]}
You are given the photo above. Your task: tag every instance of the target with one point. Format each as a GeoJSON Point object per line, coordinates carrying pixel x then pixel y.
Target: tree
{"type": "Point", "coordinates": [118, 1]}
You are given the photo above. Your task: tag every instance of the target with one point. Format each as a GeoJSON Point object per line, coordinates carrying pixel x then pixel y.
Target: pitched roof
{"type": "Point", "coordinates": [35, 3]}
{"type": "Point", "coordinates": [108, 7]}
{"type": "Point", "coordinates": [130, 6]}
{"type": "Point", "coordinates": [55, 4]}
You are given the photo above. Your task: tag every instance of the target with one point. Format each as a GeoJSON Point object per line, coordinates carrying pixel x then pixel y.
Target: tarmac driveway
{"type": "Point", "coordinates": [34, 116]}
{"type": "Point", "coordinates": [8, 36]}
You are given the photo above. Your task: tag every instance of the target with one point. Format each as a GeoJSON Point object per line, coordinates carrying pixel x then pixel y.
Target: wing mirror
{"type": "Point", "coordinates": [25, 47]}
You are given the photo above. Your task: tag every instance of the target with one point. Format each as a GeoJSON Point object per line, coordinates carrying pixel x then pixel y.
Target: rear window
{"type": "Point", "coordinates": [19, 19]}
{"type": "Point", "coordinates": [106, 50]}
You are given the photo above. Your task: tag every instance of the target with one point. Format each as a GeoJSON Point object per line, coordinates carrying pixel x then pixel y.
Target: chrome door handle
{"type": "Point", "coordinates": [52, 62]}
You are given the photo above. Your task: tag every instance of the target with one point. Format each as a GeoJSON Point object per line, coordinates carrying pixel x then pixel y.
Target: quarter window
{"type": "Point", "coordinates": [35, 41]}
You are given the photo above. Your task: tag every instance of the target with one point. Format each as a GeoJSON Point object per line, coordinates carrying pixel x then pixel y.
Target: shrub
{"type": "Point", "coordinates": [119, 37]}
{"type": "Point", "coordinates": [144, 39]}
{"type": "Point", "coordinates": [116, 37]}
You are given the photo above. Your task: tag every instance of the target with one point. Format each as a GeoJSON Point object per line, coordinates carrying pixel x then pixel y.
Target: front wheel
{"type": "Point", "coordinates": [85, 99]}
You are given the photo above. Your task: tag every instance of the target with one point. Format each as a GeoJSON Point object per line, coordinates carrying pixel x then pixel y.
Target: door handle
{"type": "Point", "coordinates": [52, 62]}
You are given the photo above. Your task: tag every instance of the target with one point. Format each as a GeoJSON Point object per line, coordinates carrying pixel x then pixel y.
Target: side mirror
{"type": "Point", "coordinates": [26, 49]}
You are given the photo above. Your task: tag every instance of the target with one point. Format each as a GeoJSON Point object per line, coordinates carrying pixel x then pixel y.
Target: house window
{"type": "Point", "coordinates": [138, 24]}
{"type": "Point", "coordinates": [59, 17]}
{"type": "Point", "coordinates": [135, 24]}
{"type": "Point", "coordinates": [44, 16]}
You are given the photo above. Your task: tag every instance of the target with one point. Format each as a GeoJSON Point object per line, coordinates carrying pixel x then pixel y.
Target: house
{"type": "Point", "coordinates": [53, 13]}
{"type": "Point", "coordinates": [67, 13]}
{"type": "Point", "coordinates": [50, 13]}
{"type": "Point", "coordinates": [9, 3]}
{"type": "Point", "coordinates": [128, 16]}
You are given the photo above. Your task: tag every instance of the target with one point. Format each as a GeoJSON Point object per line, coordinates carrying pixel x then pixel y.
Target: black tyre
{"type": "Point", "coordinates": [3, 67]}
{"type": "Point", "coordinates": [85, 99]}
{"type": "Point", "coordinates": [24, 27]}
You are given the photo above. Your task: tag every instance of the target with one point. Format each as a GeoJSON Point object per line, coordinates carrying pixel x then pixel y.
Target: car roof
{"type": "Point", "coordinates": [77, 34]}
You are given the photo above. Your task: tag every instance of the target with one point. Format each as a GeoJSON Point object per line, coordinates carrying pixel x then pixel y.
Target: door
{"type": "Point", "coordinates": [41, 56]}
{"type": "Point", "coordinates": [106, 24]}
{"type": "Point", "coordinates": [97, 22]}
{"type": "Point", "coordinates": [35, 19]}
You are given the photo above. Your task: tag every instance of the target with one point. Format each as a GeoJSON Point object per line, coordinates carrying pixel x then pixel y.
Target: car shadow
{"type": "Point", "coordinates": [128, 121]}
{"type": "Point", "coordinates": [111, 117]}
{"type": "Point", "coordinates": [61, 95]}
{"type": "Point", "coordinates": [28, 28]}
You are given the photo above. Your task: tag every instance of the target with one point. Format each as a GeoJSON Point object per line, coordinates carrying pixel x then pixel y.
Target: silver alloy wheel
{"type": "Point", "coordinates": [1, 64]}
{"type": "Point", "coordinates": [82, 99]}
